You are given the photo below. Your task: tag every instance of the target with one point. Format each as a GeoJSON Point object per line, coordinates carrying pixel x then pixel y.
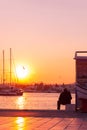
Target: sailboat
{"type": "Point", "coordinates": [9, 89]}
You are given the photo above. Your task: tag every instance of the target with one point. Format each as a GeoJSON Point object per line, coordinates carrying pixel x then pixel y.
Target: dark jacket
{"type": "Point", "coordinates": [65, 97]}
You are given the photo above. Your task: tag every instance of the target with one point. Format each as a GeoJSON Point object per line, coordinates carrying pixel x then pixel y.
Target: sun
{"type": "Point", "coordinates": [22, 71]}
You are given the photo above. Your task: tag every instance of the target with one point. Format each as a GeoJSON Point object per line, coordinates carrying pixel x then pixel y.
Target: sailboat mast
{"type": "Point", "coordinates": [10, 66]}
{"type": "Point", "coordinates": [3, 68]}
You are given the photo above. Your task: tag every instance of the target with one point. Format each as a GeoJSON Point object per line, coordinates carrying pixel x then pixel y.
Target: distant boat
{"type": "Point", "coordinates": [9, 90]}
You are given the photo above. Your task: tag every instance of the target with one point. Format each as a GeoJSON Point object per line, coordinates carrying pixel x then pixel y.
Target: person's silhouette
{"type": "Point", "coordinates": [64, 98]}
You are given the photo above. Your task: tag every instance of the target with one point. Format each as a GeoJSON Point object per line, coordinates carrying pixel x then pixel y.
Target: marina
{"type": "Point", "coordinates": [7, 89]}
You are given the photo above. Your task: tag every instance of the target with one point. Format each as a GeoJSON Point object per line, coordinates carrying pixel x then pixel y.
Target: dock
{"type": "Point", "coordinates": [42, 120]}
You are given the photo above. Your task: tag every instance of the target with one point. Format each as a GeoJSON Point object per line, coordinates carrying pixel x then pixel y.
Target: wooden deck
{"type": "Point", "coordinates": [42, 120]}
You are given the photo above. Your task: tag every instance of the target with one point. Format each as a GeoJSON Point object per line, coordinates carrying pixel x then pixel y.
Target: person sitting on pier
{"type": "Point", "coordinates": [64, 98]}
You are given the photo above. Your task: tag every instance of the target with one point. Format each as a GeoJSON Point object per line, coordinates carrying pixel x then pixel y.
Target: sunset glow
{"type": "Point", "coordinates": [22, 72]}
{"type": "Point", "coordinates": [44, 34]}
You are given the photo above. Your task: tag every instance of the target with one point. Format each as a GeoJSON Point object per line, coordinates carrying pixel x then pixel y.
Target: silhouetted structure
{"type": "Point", "coordinates": [81, 80]}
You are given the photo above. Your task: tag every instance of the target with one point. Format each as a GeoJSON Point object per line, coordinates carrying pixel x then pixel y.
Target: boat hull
{"type": "Point", "coordinates": [10, 94]}
{"type": "Point", "coordinates": [10, 91]}
{"type": "Point", "coordinates": [1, 94]}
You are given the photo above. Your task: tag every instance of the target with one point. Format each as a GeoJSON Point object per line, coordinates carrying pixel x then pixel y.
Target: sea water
{"type": "Point", "coordinates": [33, 101]}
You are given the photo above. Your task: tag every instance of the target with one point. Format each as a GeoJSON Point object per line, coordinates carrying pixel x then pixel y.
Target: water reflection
{"type": "Point", "coordinates": [20, 122]}
{"type": "Point", "coordinates": [31, 101]}
{"type": "Point", "coordinates": [20, 102]}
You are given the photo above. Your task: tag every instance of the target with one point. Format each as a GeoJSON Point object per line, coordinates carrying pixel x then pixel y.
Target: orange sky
{"type": "Point", "coordinates": [44, 35]}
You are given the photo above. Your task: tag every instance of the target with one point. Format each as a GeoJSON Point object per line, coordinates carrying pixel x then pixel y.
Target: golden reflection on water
{"type": "Point", "coordinates": [20, 102]}
{"type": "Point", "coordinates": [20, 123]}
